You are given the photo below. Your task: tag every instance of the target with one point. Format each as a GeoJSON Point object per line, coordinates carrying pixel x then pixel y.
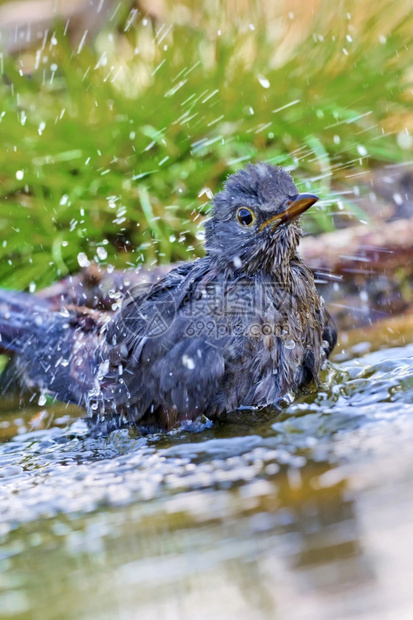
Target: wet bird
{"type": "Point", "coordinates": [241, 327]}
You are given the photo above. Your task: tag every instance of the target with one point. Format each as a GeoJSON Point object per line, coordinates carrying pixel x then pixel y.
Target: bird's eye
{"type": "Point", "coordinates": [245, 216]}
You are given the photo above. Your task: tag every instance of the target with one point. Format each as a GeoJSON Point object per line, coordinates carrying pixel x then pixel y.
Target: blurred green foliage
{"type": "Point", "coordinates": [117, 144]}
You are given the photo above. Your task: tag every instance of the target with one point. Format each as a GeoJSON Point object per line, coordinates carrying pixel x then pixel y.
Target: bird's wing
{"type": "Point", "coordinates": [188, 375]}
{"type": "Point", "coordinates": [154, 362]}
{"type": "Point", "coordinates": [136, 315]}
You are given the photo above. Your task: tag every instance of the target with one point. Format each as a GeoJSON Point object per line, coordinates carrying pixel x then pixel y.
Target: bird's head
{"type": "Point", "coordinates": [254, 223]}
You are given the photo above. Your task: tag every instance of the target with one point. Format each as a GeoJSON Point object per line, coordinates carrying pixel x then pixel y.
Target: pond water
{"type": "Point", "coordinates": [307, 515]}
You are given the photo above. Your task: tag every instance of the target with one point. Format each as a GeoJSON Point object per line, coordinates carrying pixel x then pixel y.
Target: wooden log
{"type": "Point", "coordinates": [386, 247]}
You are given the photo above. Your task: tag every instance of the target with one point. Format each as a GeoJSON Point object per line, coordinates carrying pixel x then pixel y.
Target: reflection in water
{"type": "Point", "coordinates": [305, 516]}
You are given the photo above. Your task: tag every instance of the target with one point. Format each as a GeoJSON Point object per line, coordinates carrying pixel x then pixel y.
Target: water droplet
{"type": "Point", "coordinates": [405, 140]}
{"type": "Point", "coordinates": [19, 175]}
{"type": "Point", "coordinates": [200, 235]}
{"type": "Point", "coordinates": [289, 344]}
{"type": "Point", "coordinates": [83, 260]}
{"type": "Point", "coordinates": [207, 191]}
{"type": "Point", "coordinates": [362, 150]}
{"type": "Point", "coordinates": [103, 369]}
{"type": "Point", "coordinates": [263, 81]}
{"type": "Point", "coordinates": [188, 362]}
{"type": "Point", "coordinates": [101, 252]}
{"type": "Point", "coordinates": [42, 400]}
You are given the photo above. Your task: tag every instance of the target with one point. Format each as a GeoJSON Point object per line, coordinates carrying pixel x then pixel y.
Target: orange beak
{"type": "Point", "coordinates": [294, 209]}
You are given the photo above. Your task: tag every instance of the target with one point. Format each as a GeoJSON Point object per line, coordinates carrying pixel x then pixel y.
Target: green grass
{"type": "Point", "coordinates": [109, 147]}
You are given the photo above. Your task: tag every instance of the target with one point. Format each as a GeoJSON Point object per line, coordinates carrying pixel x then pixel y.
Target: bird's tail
{"type": "Point", "coordinates": [51, 348]}
{"type": "Point", "coordinates": [20, 315]}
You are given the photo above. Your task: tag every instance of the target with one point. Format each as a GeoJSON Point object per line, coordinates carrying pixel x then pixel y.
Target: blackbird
{"type": "Point", "coordinates": [240, 328]}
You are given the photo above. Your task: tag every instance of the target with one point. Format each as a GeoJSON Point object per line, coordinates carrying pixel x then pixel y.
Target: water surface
{"type": "Point", "coordinates": [304, 515]}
